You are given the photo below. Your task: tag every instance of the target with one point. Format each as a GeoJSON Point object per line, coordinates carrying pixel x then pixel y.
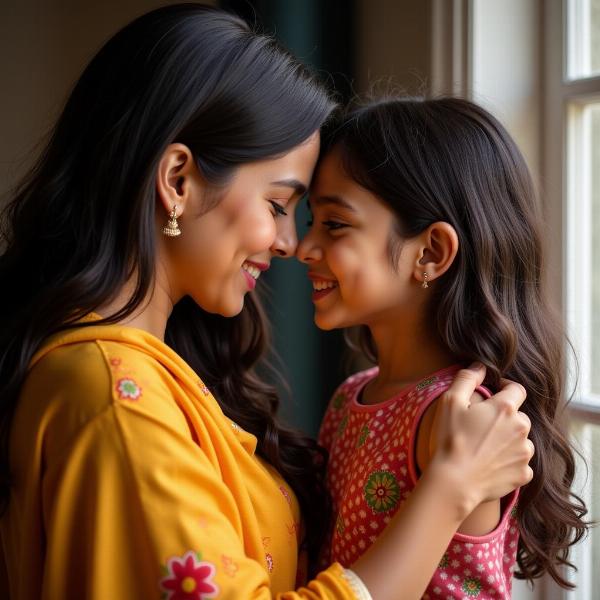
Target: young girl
{"type": "Point", "coordinates": [427, 234]}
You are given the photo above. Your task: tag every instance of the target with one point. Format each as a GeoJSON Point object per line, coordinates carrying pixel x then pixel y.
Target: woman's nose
{"type": "Point", "coordinates": [286, 240]}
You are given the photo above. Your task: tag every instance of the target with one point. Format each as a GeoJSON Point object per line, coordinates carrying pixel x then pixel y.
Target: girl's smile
{"type": "Point", "coordinates": [321, 286]}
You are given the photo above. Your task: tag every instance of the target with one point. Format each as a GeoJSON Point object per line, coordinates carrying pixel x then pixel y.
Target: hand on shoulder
{"type": "Point", "coordinates": [481, 446]}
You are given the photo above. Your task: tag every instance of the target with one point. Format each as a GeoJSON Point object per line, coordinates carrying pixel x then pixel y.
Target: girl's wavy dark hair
{"type": "Point", "coordinates": [448, 159]}
{"type": "Point", "coordinates": [81, 223]}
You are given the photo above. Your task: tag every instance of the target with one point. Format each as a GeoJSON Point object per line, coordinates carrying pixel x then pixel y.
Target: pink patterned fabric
{"type": "Point", "coordinates": [371, 472]}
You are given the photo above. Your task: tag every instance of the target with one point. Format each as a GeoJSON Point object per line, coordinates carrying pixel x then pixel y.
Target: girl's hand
{"type": "Point", "coordinates": [481, 446]}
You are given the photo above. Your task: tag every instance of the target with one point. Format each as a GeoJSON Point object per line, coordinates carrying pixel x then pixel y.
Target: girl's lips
{"type": "Point", "coordinates": [316, 277]}
{"type": "Point", "coordinates": [318, 294]}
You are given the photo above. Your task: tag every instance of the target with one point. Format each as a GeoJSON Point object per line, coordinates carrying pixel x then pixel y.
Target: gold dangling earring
{"type": "Point", "coordinates": [171, 229]}
{"type": "Point", "coordinates": [425, 285]}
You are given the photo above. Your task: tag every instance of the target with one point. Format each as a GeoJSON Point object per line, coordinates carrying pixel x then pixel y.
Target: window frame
{"type": "Point", "coordinates": [565, 154]}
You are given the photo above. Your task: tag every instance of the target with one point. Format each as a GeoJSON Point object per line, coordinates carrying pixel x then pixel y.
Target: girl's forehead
{"type": "Point", "coordinates": [330, 171]}
{"type": "Point", "coordinates": [333, 188]}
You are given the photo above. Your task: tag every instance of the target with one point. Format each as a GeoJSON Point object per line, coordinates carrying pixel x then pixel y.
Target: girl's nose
{"type": "Point", "coordinates": [308, 250]}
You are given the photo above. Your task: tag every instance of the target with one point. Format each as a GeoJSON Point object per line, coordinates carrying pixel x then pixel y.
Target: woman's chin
{"type": "Point", "coordinates": [225, 307]}
{"type": "Point", "coordinates": [232, 310]}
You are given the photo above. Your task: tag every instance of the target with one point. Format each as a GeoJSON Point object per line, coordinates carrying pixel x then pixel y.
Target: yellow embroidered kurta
{"type": "Point", "coordinates": [129, 482]}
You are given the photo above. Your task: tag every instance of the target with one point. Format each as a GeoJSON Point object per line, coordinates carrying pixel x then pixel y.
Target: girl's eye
{"type": "Point", "coordinates": [279, 210]}
{"type": "Point", "coordinates": [332, 225]}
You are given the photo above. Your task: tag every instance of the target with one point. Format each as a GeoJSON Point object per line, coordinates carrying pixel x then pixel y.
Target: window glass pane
{"type": "Point", "coordinates": [595, 248]}
{"type": "Point", "coordinates": [593, 466]}
{"type": "Point", "coordinates": [595, 36]}
{"type": "Point", "coordinates": [586, 555]}
{"type": "Point", "coordinates": [583, 38]}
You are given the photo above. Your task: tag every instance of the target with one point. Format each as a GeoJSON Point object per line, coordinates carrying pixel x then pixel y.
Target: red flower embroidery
{"type": "Point", "coordinates": [189, 578]}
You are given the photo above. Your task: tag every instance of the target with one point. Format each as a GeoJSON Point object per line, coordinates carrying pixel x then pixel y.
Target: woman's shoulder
{"type": "Point", "coordinates": [68, 371]}
{"type": "Point", "coordinates": [88, 377]}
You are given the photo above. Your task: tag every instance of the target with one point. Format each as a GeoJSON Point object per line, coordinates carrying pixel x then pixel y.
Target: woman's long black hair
{"type": "Point", "coordinates": [81, 223]}
{"type": "Point", "coordinates": [449, 160]}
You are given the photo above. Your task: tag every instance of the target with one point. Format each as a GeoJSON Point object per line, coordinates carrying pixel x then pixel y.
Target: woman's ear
{"type": "Point", "coordinates": [439, 247]}
{"type": "Point", "coordinates": [176, 178]}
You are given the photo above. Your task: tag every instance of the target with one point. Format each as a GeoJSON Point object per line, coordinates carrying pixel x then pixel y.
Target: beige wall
{"type": "Point", "coordinates": [394, 42]}
{"type": "Point", "coordinates": [44, 45]}
{"type": "Point", "coordinates": [507, 78]}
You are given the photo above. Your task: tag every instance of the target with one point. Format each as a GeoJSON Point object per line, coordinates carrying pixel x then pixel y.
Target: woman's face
{"type": "Point", "coordinates": [347, 250]}
{"type": "Point", "coordinates": [221, 253]}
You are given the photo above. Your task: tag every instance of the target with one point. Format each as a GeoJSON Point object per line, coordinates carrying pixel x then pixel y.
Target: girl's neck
{"type": "Point", "coordinates": [408, 351]}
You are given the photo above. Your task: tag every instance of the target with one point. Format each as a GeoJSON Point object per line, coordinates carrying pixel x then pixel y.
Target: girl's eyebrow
{"type": "Point", "coordinates": [336, 200]}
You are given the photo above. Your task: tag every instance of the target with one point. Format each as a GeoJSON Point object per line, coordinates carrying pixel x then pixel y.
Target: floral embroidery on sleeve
{"type": "Point", "coordinates": [339, 400]}
{"type": "Point", "coordinates": [229, 565]}
{"type": "Point", "coordinates": [286, 494]}
{"type": "Point", "coordinates": [342, 426]}
{"type": "Point", "coordinates": [203, 388]}
{"type": "Point", "coordinates": [128, 389]}
{"type": "Point", "coordinates": [362, 436]}
{"type": "Point", "coordinates": [426, 382]}
{"type": "Point", "coordinates": [189, 578]}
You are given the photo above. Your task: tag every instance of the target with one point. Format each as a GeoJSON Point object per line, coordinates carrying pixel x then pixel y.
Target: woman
{"type": "Point", "coordinates": [160, 198]}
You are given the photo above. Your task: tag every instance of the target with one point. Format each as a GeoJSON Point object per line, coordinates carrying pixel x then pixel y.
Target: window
{"type": "Point", "coordinates": [583, 38]}
{"type": "Point", "coordinates": [572, 174]}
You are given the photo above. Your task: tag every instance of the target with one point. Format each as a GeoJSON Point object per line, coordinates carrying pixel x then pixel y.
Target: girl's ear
{"type": "Point", "coordinates": [439, 246]}
{"type": "Point", "coordinates": [177, 178]}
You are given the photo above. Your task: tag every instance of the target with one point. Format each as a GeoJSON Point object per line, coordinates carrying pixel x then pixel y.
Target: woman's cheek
{"type": "Point", "coordinates": [260, 232]}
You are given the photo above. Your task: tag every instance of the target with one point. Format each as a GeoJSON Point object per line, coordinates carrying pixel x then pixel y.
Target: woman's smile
{"type": "Point", "coordinates": [252, 271]}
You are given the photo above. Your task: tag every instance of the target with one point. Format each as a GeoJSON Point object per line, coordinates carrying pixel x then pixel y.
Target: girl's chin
{"type": "Point", "coordinates": [327, 322]}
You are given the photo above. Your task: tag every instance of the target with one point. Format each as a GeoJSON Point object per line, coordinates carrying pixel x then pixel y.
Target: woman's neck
{"type": "Point", "coordinates": [151, 315]}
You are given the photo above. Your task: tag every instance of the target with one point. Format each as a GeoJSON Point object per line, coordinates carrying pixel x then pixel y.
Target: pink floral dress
{"type": "Point", "coordinates": [372, 470]}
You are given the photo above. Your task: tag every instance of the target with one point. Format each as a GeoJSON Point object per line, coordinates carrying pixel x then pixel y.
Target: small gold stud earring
{"type": "Point", "coordinates": [425, 285]}
{"type": "Point", "coordinates": [171, 229]}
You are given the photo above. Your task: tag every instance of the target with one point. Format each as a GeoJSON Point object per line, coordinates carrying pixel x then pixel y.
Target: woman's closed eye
{"type": "Point", "coordinates": [278, 208]}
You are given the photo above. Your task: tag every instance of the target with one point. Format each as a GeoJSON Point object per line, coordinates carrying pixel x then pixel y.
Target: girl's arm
{"type": "Point", "coordinates": [485, 517]}
{"type": "Point", "coordinates": [482, 454]}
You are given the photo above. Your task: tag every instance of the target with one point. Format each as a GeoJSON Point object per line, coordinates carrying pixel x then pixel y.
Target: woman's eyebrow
{"type": "Point", "coordinates": [294, 184]}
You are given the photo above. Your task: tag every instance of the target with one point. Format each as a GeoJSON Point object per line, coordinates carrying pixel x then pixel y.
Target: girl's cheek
{"type": "Point", "coordinates": [342, 259]}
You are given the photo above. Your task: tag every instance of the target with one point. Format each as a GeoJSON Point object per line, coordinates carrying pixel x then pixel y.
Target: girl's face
{"type": "Point", "coordinates": [347, 250]}
{"type": "Point", "coordinates": [221, 253]}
